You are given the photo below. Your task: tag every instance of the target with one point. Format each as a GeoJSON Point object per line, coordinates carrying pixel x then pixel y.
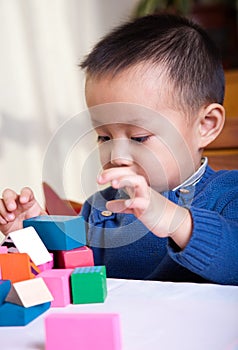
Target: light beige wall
{"type": "Point", "coordinates": [41, 87]}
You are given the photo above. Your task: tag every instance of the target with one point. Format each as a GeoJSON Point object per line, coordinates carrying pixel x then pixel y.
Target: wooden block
{"type": "Point", "coordinates": [48, 265]}
{"type": "Point", "coordinates": [29, 293]}
{"type": "Point", "coordinates": [5, 286]}
{"type": "Point", "coordinates": [12, 315]}
{"type": "Point", "coordinates": [28, 241]}
{"type": "Point", "coordinates": [59, 232]}
{"type": "Point", "coordinates": [83, 331]}
{"type": "Point", "coordinates": [89, 285]}
{"type": "Point", "coordinates": [17, 267]}
{"type": "Point", "coordinates": [78, 257]}
{"type": "Point", "coordinates": [58, 282]}
{"type": "Point", "coordinates": [3, 250]}
{"type": "Point", "coordinates": [8, 243]}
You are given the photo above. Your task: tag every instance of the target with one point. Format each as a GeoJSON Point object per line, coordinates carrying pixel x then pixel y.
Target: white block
{"type": "Point", "coordinates": [28, 241]}
{"type": "Point", "coordinates": [29, 293]}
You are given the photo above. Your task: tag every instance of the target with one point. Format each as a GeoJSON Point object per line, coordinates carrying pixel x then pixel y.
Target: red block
{"type": "Point", "coordinates": [78, 257]}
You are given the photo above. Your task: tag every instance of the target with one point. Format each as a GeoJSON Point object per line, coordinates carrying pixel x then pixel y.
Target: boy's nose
{"type": "Point", "coordinates": [120, 153]}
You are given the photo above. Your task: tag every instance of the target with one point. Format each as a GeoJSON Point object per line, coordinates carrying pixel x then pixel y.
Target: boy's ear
{"type": "Point", "coordinates": [211, 123]}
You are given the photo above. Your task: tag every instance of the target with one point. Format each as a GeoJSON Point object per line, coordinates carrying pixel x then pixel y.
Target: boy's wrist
{"type": "Point", "coordinates": [183, 231]}
{"type": "Point", "coordinates": [173, 221]}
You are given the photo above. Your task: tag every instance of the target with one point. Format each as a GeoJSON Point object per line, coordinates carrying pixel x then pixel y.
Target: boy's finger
{"type": "Point", "coordinates": [5, 215]}
{"type": "Point", "coordinates": [2, 221]}
{"type": "Point", "coordinates": [113, 173]}
{"type": "Point", "coordinates": [9, 197]}
{"type": "Point", "coordinates": [136, 185]}
{"type": "Point", "coordinates": [116, 206]}
{"type": "Point", "coordinates": [26, 195]}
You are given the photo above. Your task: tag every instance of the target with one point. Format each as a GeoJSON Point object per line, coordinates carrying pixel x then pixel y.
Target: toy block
{"type": "Point", "coordinates": [8, 243]}
{"type": "Point", "coordinates": [5, 286]}
{"type": "Point", "coordinates": [89, 285]}
{"type": "Point", "coordinates": [28, 241]}
{"type": "Point", "coordinates": [58, 282]}
{"type": "Point", "coordinates": [78, 257]}
{"type": "Point", "coordinates": [29, 293]}
{"type": "Point", "coordinates": [12, 315]}
{"type": "Point", "coordinates": [3, 250]}
{"type": "Point", "coordinates": [82, 331]}
{"type": "Point", "coordinates": [59, 232]}
{"type": "Point", "coordinates": [48, 265]}
{"type": "Point", "coordinates": [17, 267]}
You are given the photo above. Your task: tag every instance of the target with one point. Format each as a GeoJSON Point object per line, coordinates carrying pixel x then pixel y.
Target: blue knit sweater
{"type": "Point", "coordinates": [124, 245]}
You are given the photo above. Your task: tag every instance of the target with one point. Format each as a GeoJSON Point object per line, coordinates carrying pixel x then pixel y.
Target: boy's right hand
{"type": "Point", "coordinates": [14, 208]}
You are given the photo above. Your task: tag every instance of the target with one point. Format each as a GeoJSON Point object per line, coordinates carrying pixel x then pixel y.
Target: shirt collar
{"type": "Point", "coordinates": [196, 177]}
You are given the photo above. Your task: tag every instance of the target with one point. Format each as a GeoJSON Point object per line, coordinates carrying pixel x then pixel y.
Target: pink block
{"type": "Point", "coordinates": [58, 282]}
{"type": "Point", "coordinates": [47, 266]}
{"type": "Point", "coordinates": [3, 250]}
{"type": "Point", "coordinates": [83, 331]}
{"type": "Point", "coordinates": [78, 257]}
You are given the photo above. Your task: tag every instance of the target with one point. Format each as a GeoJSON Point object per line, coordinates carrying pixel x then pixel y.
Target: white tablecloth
{"type": "Point", "coordinates": [153, 316]}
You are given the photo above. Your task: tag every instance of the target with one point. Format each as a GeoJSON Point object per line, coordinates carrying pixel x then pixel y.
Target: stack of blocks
{"type": "Point", "coordinates": [29, 284]}
{"type": "Point", "coordinates": [77, 280]}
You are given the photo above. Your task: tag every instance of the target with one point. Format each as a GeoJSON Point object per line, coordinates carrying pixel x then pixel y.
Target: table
{"type": "Point", "coordinates": [154, 316]}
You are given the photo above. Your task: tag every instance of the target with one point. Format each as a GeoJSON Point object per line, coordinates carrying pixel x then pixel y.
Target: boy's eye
{"type": "Point", "coordinates": [140, 139]}
{"type": "Point", "coordinates": [103, 138]}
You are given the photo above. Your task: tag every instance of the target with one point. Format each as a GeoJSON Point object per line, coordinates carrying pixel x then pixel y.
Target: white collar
{"type": "Point", "coordinates": [195, 178]}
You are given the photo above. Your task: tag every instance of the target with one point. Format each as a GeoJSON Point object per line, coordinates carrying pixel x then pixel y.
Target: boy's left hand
{"type": "Point", "coordinates": [162, 217]}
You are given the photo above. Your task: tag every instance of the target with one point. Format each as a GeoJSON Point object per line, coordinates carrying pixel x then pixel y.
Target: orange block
{"type": "Point", "coordinates": [17, 267]}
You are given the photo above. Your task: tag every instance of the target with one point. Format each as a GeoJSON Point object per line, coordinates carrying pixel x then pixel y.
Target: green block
{"type": "Point", "coordinates": [89, 285]}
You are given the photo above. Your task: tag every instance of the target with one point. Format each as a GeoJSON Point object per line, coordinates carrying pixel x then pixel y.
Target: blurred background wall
{"type": "Point", "coordinates": [41, 87]}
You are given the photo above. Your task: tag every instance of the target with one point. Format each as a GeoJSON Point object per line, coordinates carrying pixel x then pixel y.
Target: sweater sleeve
{"type": "Point", "coordinates": [212, 251]}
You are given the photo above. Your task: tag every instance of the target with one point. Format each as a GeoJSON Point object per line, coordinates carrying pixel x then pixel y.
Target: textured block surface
{"type": "Point", "coordinates": [58, 282]}
{"type": "Point", "coordinates": [16, 315]}
{"type": "Point", "coordinates": [59, 232]}
{"type": "Point", "coordinates": [83, 331]}
{"type": "Point", "coordinates": [89, 285]}
{"type": "Point", "coordinates": [78, 257]}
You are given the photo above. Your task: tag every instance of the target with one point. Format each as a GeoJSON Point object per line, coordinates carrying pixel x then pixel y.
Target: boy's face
{"type": "Point", "coordinates": [138, 129]}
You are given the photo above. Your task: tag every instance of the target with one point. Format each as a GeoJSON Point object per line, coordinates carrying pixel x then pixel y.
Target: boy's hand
{"type": "Point", "coordinates": [162, 217]}
{"type": "Point", "coordinates": [14, 208]}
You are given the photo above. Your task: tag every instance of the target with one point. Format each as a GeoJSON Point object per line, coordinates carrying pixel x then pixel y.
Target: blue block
{"type": "Point", "coordinates": [5, 286]}
{"type": "Point", "coordinates": [59, 232]}
{"type": "Point", "coordinates": [12, 315]}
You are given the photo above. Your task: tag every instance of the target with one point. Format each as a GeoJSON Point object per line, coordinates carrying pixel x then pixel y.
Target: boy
{"type": "Point", "coordinates": [155, 88]}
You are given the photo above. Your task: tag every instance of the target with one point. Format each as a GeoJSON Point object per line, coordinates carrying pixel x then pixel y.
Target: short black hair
{"type": "Point", "coordinates": [190, 58]}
